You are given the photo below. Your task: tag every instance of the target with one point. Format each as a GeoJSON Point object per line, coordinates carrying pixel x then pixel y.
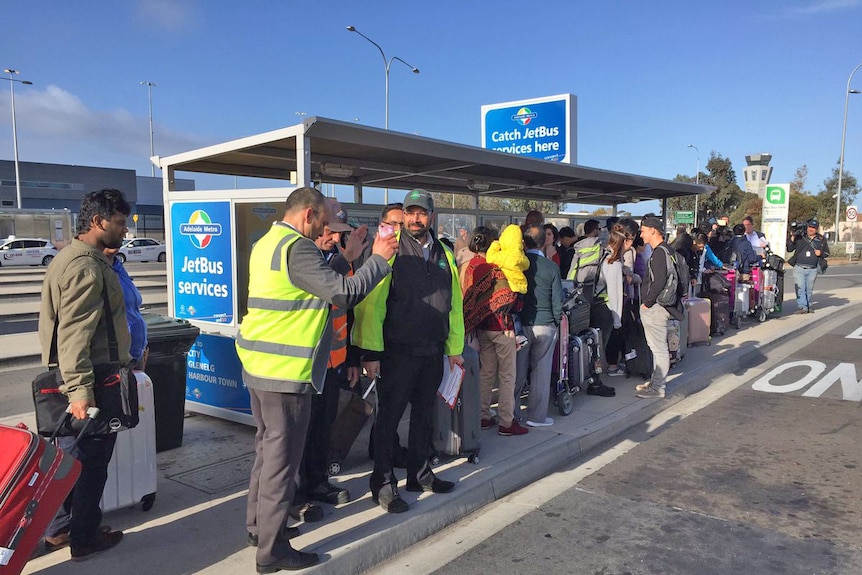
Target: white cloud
{"type": "Point", "coordinates": [56, 126]}
{"type": "Point", "coordinates": [171, 15]}
{"type": "Point", "coordinates": [821, 7]}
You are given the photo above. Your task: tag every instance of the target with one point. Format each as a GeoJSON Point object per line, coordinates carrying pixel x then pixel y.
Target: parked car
{"type": "Point", "coordinates": [143, 250]}
{"type": "Point", "coordinates": [26, 251]}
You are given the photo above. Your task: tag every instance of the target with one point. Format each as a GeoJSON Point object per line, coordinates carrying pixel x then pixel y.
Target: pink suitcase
{"type": "Point", "coordinates": [699, 319]}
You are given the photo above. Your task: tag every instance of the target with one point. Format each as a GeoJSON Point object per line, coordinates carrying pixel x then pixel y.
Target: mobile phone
{"type": "Point", "coordinates": [385, 230]}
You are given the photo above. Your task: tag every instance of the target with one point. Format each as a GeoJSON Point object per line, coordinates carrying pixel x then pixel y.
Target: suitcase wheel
{"type": "Point", "coordinates": [473, 458]}
{"type": "Point", "coordinates": [565, 403]}
{"type": "Point", "coordinates": [434, 459]}
{"type": "Point", "coordinates": [334, 467]}
{"type": "Point", "coordinates": [762, 315]}
{"type": "Point", "coordinates": [147, 501]}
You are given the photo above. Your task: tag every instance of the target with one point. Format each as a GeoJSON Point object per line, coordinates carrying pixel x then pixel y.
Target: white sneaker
{"type": "Point", "coordinates": [548, 421]}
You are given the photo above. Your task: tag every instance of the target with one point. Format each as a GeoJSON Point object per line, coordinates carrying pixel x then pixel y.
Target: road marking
{"type": "Point", "coordinates": [851, 388]}
{"type": "Point", "coordinates": [855, 335]}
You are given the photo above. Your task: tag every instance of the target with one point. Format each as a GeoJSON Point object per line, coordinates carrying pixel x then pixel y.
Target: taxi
{"type": "Point", "coordinates": [142, 250]}
{"type": "Point", "coordinates": [26, 252]}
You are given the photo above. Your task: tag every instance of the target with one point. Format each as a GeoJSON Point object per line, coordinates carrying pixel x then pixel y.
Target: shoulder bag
{"type": "Point", "coordinates": [115, 390]}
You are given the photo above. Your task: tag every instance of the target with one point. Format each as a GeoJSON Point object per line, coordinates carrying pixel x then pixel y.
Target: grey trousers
{"type": "Point", "coordinates": [282, 422]}
{"type": "Point", "coordinates": [654, 320]}
{"type": "Point", "coordinates": [536, 360]}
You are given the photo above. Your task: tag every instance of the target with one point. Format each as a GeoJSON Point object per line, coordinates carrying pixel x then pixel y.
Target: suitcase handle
{"type": "Point", "coordinates": [92, 414]}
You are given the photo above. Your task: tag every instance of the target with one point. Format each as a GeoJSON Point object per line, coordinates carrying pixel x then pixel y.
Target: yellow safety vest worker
{"type": "Point", "coordinates": [281, 334]}
{"type": "Point", "coordinates": [370, 313]}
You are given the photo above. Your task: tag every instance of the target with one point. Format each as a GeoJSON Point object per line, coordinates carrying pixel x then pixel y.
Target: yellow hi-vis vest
{"type": "Point", "coordinates": [280, 335]}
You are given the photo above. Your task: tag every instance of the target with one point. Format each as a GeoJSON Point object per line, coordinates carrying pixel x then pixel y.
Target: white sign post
{"type": "Point", "coordinates": [776, 205]}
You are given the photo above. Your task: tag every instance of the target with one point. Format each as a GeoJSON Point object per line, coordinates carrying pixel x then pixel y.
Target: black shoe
{"type": "Point", "coordinates": [387, 497]}
{"type": "Point", "coordinates": [328, 493]}
{"type": "Point", "coordinates": [308, 512]}
{"type": "Point", "coordinates": [294, 561]}
{"type": "Point", "coordinates": [432, 483]}
{"type": "Point", "coordinates": [103, 542]}
{"type": "Point", "coordinates": [602, 390]}
{"type": "Point", "coordinates": [287, 533]}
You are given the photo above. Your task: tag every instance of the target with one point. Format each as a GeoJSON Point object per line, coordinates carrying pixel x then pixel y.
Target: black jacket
{"type": "Point", "coordinates": [420, 298]}
{"type": "Point", "coordinates": [740, 249]}
{"type": "Point", "coordinates": [804, 247]}
{"type": "Point", "coordinates": [656, 279]}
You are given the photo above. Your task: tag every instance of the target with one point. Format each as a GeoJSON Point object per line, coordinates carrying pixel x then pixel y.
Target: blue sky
{"type": "Point", "coordinates": [651, 77]}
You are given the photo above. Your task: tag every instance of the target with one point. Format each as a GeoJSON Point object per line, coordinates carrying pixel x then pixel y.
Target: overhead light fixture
{"type": "Point", "coordinates": [477, 186]}
{"type": "Point", "coordinates": [634, 200]}
{"type": "Point", "coordinates": [337, 170]}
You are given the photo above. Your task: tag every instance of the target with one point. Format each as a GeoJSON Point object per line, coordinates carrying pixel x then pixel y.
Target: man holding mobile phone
{"type": "Point", "coordinates": [404, 328]}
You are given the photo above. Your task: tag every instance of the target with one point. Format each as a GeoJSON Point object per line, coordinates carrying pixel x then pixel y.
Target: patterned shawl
{"type": "Point", "coordinates": [486, 295]}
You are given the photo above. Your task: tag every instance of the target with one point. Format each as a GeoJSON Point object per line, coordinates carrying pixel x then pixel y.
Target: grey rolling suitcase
{"type": "Point", "coordinates": [584, 355]}
{"type": "Point", "coordinates": [456, 430]}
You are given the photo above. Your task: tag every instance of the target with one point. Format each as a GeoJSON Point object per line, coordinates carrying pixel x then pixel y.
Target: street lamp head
{"type": "Point", "coordinates": [27, 82]}
{"type": "Point", "coordinates": [11, 71]}
{"type": "Point", "coordinates": [351, 29]}
{"type": "Point", "coordinates": [854, 92]}
{"type": "Point", "coordinates": [415, 70]}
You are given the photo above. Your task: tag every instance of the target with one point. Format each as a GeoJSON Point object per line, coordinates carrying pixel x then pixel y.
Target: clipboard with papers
{"type": "Point", "coordinates": [450, 385]}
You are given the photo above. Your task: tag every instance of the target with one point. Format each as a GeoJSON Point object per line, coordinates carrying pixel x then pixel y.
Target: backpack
{"type": "Point", "coordinates": [585, 262]}
{"type": "Point", "coordinates": [678, 279]}
{"type": "Point", "coordinates": [589, 276]}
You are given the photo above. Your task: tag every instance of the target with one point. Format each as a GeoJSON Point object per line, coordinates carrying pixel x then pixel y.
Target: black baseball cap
{"type": "Point", "coordinates": [813, 223]}
{"type": "Point", "coordinates": [652, 222]}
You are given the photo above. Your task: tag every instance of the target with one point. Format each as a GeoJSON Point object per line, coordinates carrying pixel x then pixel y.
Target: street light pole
{"type": "Point", "coordinates": [150, 86]}
{"type": "Point", "coordinates": [841, 158]}
{"type": "Point", "coordinates": [696, 181]}
{"type": "Point", "coordinates": [12, 81]}
{"type": "Point", "coordinates": [386, 65]}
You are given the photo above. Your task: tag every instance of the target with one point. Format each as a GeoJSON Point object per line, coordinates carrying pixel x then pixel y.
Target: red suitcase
{"type": "Point", "coordinates": [36, 478]}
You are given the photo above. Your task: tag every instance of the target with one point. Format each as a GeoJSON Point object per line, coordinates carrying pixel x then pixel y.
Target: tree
{"type": "Point", "coordinates": [751, 205]}
{"type": "Point", "coordinates": [826, 196]}
{"type": "Point", "coordinates": [798, 183]}
{"type": "Point", "coordinates": [802, 206]}
{"type": "Point", "coordinates": [726, 198]}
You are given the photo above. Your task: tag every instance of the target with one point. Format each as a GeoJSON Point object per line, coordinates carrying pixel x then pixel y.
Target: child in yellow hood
{"type": "Point", "coordinates": [508, 254]}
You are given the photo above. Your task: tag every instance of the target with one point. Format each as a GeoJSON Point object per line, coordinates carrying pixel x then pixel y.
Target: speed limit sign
{"type": "Point", "coordinates": [851, 213]}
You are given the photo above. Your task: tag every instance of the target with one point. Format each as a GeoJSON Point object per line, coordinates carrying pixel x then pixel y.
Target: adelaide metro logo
{"type": "Point", "coordinates": [200, 229]}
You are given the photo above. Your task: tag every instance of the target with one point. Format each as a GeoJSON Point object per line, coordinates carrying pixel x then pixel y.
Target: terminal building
{"type": "Point", "coordinates": [59, 186]}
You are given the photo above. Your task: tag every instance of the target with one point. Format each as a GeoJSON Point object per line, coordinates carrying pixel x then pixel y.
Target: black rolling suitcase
{"type": "Point", "coordinates": [355, 410]}
{"type": "Point", "coordinates": [718, 293]}
{"type": "Point", "coordinates": [779, 295]}
{"type": "Point", "coordinates": [456, 430]}
{"type": "Point", "coordinates": [639, 360]}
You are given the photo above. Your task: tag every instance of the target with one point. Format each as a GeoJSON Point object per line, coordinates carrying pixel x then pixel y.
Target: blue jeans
{"type": "Point", "coordinates": [804, 286]}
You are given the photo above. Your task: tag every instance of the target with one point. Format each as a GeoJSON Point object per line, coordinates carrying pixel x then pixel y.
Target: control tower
{"type": "Point", "coordinates": [757, 173]}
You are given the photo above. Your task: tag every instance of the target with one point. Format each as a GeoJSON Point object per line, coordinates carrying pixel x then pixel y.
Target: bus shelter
{"type": "Point", "coordinates": [209, 233]}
